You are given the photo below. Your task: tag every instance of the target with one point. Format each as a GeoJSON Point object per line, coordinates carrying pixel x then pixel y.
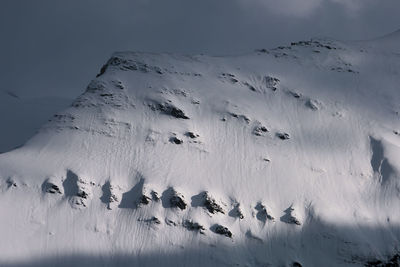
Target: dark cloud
{"type": "Point", "coordinates": [53, 46]}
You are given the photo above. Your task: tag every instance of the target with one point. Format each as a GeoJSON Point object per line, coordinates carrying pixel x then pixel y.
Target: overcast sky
{"type": "Point", "coordinates": [53, 46]}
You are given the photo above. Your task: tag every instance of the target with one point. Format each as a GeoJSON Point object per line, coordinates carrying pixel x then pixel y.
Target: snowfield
{"type": "Point", "coordinates": [281, 157]}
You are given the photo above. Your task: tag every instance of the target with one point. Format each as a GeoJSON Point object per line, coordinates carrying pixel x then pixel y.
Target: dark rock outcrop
{"type": "Point", "coordinates": [177, 201]}
{"type": "Point", "coordinates": [262, 213]}
{"type": "Point", "coordinates": [283, 136]}
{"type": "Point", "coordinates": [176, 140]}
{"type": "Point", "coordinates": [193, 226]}
{"type": "Point", "coordinates": [271, 82]}
{"type": "Point", "coordinates": [211, 204]}
{"type": "Point", "coordinates": [221, 230]}
{"type": "Point", "coordinates": [236, 212]}
{"type": "Point", "coordinates": [289, 218]}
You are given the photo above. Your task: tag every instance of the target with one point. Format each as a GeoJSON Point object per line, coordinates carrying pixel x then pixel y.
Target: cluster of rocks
{"type": "Point", "coordinates": [169, 109]}
{"type": "Point", "coordinates": [178, 141]}
{"type": "Point", "coordinates": [79, 192]}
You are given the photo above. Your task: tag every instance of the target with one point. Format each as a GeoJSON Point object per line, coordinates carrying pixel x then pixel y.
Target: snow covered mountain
{"type": "Point", "coordinates": [282, 157]}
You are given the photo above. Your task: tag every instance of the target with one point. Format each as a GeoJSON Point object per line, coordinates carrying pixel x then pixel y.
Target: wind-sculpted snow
{"type": "Point", "coordinates": [282, 157]}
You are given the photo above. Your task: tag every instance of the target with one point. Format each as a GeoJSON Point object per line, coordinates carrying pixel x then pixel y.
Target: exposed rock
{"type": "Point", "coordinates": [191, 135]}
{"type": "Point", "coordinates": [236, 212]}
{"type": "Point", "coordinates": [211, 204]}
{"type": "Point", "coordinates": [289, 217]}
{"type": "Point", "coordinates": [176, 140]}
{"type": "Point", "coordinates": [283, 136]}
{"type": "Point", "coordinates": [11, 182]}
{"type": "Point", "coordinates": [152, 220]}
{"type": "Point", "coordinates": [177, 201]}
{"type": "Point", "coordinates": [193, 226]}
{"type": "Point", "coordinates": [271, 82]}
{"type": "Point", "coordinates": [313, 104]}
{"type": "Point", "coordinates": [84, 193]}
{"type": "Point", "coordinates": [251, 87]}
{"type": "Point", "coordinates": [111, 195]}
{"type": "Point", "coordinates": [295, 94]}
{"type": "Point", "coordinates": [296, 264]}
{"type": "Point", "coordinates": [155, 196]}
{"type": "Point", "coordinates": [262, 213]}
{"type": "Point", "coordinates": [51, 186]}
{"type": "Point", "coordinates": [221, 230]}
{"type": "Point", "coordinates": [244, 117]}
{"type": "Point", "coordinates": [392, 262]}
{"type": "Point", "coordinates": [168, 109]}
{"type": "Point", "coordinates": [170, 222]}
{"type": "Point", "coordinates": [144, 200]}
{"type": "Point", "coordinates": [173, 111]}
{"type": "Point", "coordinates": [260, 130]}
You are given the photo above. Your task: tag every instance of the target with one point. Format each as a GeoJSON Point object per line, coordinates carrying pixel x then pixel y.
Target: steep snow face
{"type": "Point", "coordinates": [283, 157]}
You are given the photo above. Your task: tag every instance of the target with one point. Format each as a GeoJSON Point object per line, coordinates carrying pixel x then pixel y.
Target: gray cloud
{"type": "Point", "coordinates": [53, 46]}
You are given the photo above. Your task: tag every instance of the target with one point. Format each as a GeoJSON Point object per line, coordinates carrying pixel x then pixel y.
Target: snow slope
{"type": "Point", "coordinates": [297, 148]}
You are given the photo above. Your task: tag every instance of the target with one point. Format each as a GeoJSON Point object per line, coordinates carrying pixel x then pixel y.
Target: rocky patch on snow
{"type": "Point", "coordinates": [173, 199]}
{"type": "Point", "coordinates": [169, 109]}
{"type": "Point", "coordinates": [260, 130]}
{"type": "Point", "coordinates": [271, 82]}
{"type": "Point", "coordinates": [289, 217]}
{"type": "Point", "coordinates": [283, 135]}
{"type": "Point", "coordinates": [236, 212]}
{"type": "Point", "coordinates": [221, 230]}
{"type": "Point", "coordinates": [262, 213]}
{"type": "Point", "coordinates": [52, 186]}
{"type": "Point", "coordinates": [194, 226]}
{"type": "Point", "coordinates": [111, 195]}
{"type": "Point", "coordinates": [204, 199]}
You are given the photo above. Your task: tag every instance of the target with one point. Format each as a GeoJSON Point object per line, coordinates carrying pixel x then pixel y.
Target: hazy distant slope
{"type": "Point", "coordinates": [21, 117]}
{"type": "Point", "coordinates": [280, 157]}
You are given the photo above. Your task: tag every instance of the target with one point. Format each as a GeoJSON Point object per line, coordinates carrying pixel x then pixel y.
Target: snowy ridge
{"type": "Point", "coordinates": [283, 157]}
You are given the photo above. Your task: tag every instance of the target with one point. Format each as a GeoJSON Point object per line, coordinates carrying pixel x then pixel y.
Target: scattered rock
{"type": "Point", "coordinates": [251, 87]}
{"type": "Point", "coordinates": [170, 110]}
{"type": "Point", "coordinates": [155, 196]}
{"type": "Point", "coordinates": [271, 82]}
{"type": "Point", "coordinates": [177, 201]}
{"type": "Point", "coordinates": [289, 218]}
{"type": "Point", "coordinates": [170, 222]}
{"type": "Point", "coordinates": [152, 220]}
{"type": "Point", "coordinates": [295, 94]}
{"type": "Point", "coordinates": [396, 132]}
{"type": "Point", "coordinates": [283, 136]}
{"type": "Point", "coordinates": [221, 230]}
{"type": "Point", "coordinates": [236, 212]}
{"type": "Point", "coordinates": [260, 130]}
{"type": "Point", "coordinates": [211, 204]}
{"type": "Point", "coordinates": [176, 140]}
{"type": "Point", "coordinates": [191, 135]}
{"type": "Point", "coordinates": [244, 117]}
{"type": "Point", "coordinates": [313, 104]}
{"type": "Point", "coordinates": [193, 226]}
{"type": "Point", "coordinates": [262, 213]}
{"type": "Point", "coordinates": [51, 186]}
{"type": "Point", "coordinates": [392, 262]}
{"type": "Point", "coordinates": [144, 200]}
{"type": "Point", "coordinates": [11, 182]}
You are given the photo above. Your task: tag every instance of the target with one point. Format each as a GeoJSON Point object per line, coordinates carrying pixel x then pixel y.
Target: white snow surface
{"type": "Point", "coordinates": [337, 175]}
